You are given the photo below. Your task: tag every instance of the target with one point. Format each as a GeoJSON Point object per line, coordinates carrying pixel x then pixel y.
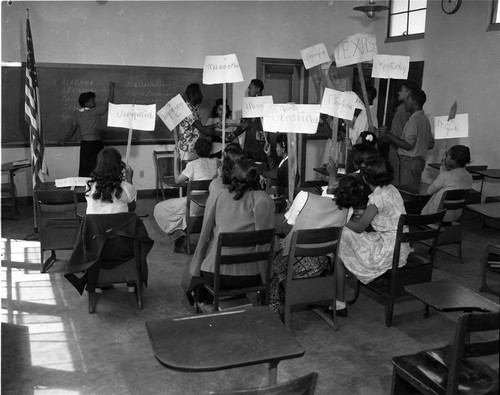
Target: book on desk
{"type": "Point", "coordinates": [72, 182]}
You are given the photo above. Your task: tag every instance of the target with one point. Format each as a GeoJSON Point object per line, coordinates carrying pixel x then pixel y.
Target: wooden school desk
{"type": "Point", "coordinates": [9, 188]}
{"type": "Point", "coordinates": [490, 210]}
{"type": "Point", "coordinates": [223, 340]}
{"type": "Point", "coordinates": [489, 173]}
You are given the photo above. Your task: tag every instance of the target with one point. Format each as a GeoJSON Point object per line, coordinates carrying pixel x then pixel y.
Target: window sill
{"type": "Point", "coordinates": [407, 37]}
{"type": "Point", "coordinates": [493, 27]}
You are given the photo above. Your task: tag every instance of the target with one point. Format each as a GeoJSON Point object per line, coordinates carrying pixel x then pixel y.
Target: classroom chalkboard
{"type": "Point", "coordinates": [61, 84]}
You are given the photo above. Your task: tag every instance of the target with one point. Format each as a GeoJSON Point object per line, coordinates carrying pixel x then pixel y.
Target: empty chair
{"type": "Point", "coordinates": [165, 180]}
{"type": "Point", "coordinates": [260, 247]}
{"type": "Point", "coordinates": [490, 264]}
{"type": "Point", "coordinates": [305, 385]}
{"type": "Point", "coordinates": [111, 248]}
{"type": "Point", "coordinates": [57, 222]}
{"type": "Point", "coordinates": [452, 369]}
{"type": "Point", "coordinates": [194, 222]}
{"type": "Point", "coordinates": [300, 291]}
{"type": "Point", "coordinates": [475, 195]}
{"type": "Point", "coordinates": [419, 264]}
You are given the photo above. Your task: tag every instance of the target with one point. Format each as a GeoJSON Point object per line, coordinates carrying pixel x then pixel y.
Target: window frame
{"type": "Point", "coordinates": [495, 11]}
{"type": "Point", "coordinates": [404, 37]}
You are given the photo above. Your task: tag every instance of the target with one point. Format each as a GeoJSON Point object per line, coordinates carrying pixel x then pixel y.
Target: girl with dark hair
{"type": "Point", "coordinates": [232, 154]}
{"type": "Point", "coordinates": [110, 188]}
{"type": "Point", "coordinates": [452, 175]}
{"type": "Point", "coordinates": [241, 207]}
{"type": "Point", "coordinates": [368, 255]}
{"type": "Point", "coordinates": [170, 215]}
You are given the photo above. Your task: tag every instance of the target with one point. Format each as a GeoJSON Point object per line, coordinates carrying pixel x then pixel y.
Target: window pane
{"type": "Point", "coordinates": [417, 4]}
{"type": "Point", "coordinates": [398, 25]}
{"type": "Point", "coordinates": [496, 13]}
{"type": "Point", "coordinates": [399, 6]}
{"type": "Point", "coordinates": [416, 22]}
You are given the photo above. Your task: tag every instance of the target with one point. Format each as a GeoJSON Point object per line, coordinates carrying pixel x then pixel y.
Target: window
{"type": "Point", "coordinates": [407, 19]}
{"type": "Point", "coordinates": [495, 16]}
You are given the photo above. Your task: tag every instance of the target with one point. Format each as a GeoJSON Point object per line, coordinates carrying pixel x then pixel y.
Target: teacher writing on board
{"type": "Point", "coordinates": [86, 119]}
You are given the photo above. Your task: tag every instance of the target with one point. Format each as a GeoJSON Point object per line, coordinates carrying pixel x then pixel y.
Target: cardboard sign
{"type": "Point", "coordinates": [358, 103]}
{"type": "Point", "coordinates": [357, 48]}
{"type": "Point", "coordinates": [221, 69]}
{"type": "Point", "coordinates": [174, 112]}
{"type": "Point", "coordinates": [135, 116]}
{"type": "Point", "coordinates": [253, 107]}
{"type": "Point", "coordinates": [455, 128]}
{"type": "Point", "coordinates": [338, 104]}
{"type": "Point", "coordinates": [291, 118]}
{"type": "Point", "coordinates": [388, 66]}
{"type": "Point", "coordinates": [315, 55]}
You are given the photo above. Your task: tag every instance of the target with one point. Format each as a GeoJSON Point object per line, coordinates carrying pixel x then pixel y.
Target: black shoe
{"type": "Point", "coordinates": [342, 312]}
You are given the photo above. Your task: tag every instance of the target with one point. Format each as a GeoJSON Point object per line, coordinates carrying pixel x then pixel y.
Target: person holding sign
{"type": "Point", "coordinates": [278, 175]}
{"type": "Point", "coordinates": [86, 119]}
{"type": "Point", "coordinates": [398, 123]}
{"type": "Point", "coordinates": [255, 138]}
{"type": "Point", "coordinates": [416, 139]}
{"type": "Point", "coordinates": [191, 126]}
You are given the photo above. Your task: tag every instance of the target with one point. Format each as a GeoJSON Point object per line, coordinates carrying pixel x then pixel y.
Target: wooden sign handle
{"type": "Point", "coordinates": [129, 143]}
{"type": "Point", "coordinates": [365, 95]}
{"type": "Point", "coordinates": [386, 99]}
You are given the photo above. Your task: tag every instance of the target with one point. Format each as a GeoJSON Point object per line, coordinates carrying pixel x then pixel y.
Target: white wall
{"type": "Point", "coordinates": [461, 59]}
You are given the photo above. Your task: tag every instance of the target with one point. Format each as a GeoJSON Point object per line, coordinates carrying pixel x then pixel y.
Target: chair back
{"type": "Point", "coordinates": [453, 200]}
{"type": "Point", "coordinates": [305, 385]}
{"type": "Point", "coordinates": [164, 166]}
{"type": "Point", "coordinates": [240, 248]}
{"type": "Point", "coordinates": [317, 243]}
{"type": "Point", "coordinates": [57, 221]}
{"type": "Point", "coordinates": [464, 348]}
{"type": "Point", "coordinates": [194, 223]}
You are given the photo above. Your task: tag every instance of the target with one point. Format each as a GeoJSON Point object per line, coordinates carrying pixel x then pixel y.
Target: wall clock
{"type": "Point", "coordinates": [450, 6]}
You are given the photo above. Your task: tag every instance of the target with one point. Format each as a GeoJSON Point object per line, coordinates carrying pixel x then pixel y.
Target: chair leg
{"type": "Point", "coordinates": [389, 310]}
{"type": "Point", "coordinates": [426, 311]}
{"type": "Point", "coordinates": [49, 262]}
{"type": "Point", "coordinates": [92, 302]}
{"type": "Point", "coordinates": [287, 312]}
{"type": "Point", "coordinates": [356, 293]}
{"type": "Point", "coordinates": [138, 292]}
{"type": "Point", "coordinates": [399, 385]}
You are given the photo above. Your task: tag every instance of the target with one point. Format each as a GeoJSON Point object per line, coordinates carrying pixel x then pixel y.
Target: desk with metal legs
{"type": "Point", "coordinates": [223, 340]}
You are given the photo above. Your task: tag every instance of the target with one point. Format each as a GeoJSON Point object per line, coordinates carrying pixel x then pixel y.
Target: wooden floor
{"type": "Point", "coordinates": [51, 345]}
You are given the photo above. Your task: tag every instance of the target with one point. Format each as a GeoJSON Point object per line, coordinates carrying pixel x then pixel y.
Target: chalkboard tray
{"type": "Point", "coordinates": [61, 84]}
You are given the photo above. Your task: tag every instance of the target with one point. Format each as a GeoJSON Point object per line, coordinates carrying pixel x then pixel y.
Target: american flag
{"type": "Point", "coordinates": [32, 115]}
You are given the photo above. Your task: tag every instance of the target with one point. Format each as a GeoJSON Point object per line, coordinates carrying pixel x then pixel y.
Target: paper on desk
{"type": "Point", "coordinates": [72, 181]}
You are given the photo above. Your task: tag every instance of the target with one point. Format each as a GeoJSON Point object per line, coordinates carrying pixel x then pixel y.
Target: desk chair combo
{"type": "Point", "coordinates": [194, 223]}
{"type": "Point", "coordinates": [164, 166]}
{"type": "Point", "coordinates": [261, 248]}
{"type": "Point", "coordinates": [490, 265]}
{"type": "Point", "coordinates": [419, 265]}
{"type": "Point", "coordinates": [452, 369]}
{"type": "Point", "coordinates": [315, 290]}
{"type": "Point", "coordinates": [475, 195]}
{"type": "Point", "coordinates": [57, 222]}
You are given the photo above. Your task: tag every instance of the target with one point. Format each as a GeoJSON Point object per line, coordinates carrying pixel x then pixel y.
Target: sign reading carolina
{"type": "Point", "coordinates": [291, 118]}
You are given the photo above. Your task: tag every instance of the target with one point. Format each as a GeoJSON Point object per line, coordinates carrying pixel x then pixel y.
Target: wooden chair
{"type": "Point", "coordinates": [117, 263]}
{"type": "Point", "coordinates": [451, 369]}
{"type": "Point", "coordinates": [490, 264]}
{"type": "Point", "coordinates": [311, 243]}
{"type": "Point", "coordinates": [305, 385]}
{"type": "Point", "coordinates": [260, 244]}
{"type": "Point", "coordinates": [164, 165]}
{"type": "Point", "coordinates": [419, 265]}
{"type": "Point", "coordinates": [194, 223]}
{"type": "Point", "coordinates": [475, 195]}
{"type": "Point", "coordinates": [451, 233]}
{"type": "Point", "coordinates": [57, 221]}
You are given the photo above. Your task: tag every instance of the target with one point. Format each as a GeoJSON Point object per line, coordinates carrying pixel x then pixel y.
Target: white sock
{"type": "Point", "coordinates": [339, 305]}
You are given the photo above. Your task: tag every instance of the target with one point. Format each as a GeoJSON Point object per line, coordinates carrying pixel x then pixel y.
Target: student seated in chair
{"type": "Point", "coordinates": [310, 211]}
{"type": "Point", "coordinates": [452, 175]}
{"type": "Point", "coordinates": [368, 255]}
{"type": "Point", "coordinates": [170, 215]}
{"type": "Point", "coordinates": [110, 188]}
{"type": "Point", "coordinates": [241, 207]}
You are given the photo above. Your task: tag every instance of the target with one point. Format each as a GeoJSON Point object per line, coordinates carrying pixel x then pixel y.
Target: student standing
{"type": "Point", "coordinates": [254, 134]}
{"type": "Point", "coordinates": [416, 139]}
{"type": "Point", "coordinates": [398, 123]}
{"type": "Point", "coordinates": [86, 119]}
{"type": "Point", "coordinates": [191, 126]}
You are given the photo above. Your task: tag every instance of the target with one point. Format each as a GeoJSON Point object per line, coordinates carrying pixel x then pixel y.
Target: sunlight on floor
{"type": "Point", "coordinates": [27, 297]}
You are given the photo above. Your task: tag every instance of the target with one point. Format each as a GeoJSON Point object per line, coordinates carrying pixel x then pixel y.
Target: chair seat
{"type": "Point", "coordinates": [430, 370]}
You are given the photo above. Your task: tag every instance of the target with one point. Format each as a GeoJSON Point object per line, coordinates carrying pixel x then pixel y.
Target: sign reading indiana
{"type": "Point", "coordinates": [291, 118]}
